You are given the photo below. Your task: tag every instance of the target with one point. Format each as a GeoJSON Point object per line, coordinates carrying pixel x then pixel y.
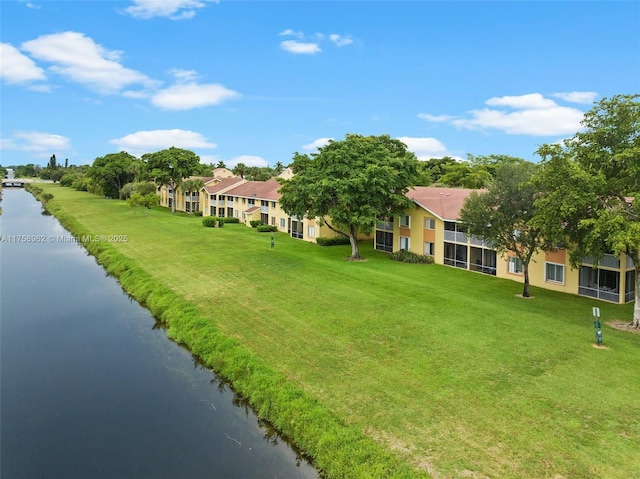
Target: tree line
{"type": "Point", "coordinates": [582, 195]}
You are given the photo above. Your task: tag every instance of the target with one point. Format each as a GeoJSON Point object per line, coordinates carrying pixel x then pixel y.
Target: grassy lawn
{"type": "Point", "coordinates": [450, 370]}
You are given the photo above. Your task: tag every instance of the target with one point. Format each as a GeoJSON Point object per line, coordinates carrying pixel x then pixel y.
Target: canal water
{"type": "Point", "coordinates": [92, 388]}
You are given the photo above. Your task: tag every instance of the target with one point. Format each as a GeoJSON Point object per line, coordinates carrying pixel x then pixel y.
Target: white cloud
{"type": "Point", "coordinates": [142, 142]}
{"type": "Point", "coordinates": [79, 59]}
{"type": "Point", "coordinates": [320, 142]}
{"type": "Point", "coordinates": [530, 114]}
{"type": "Point", "coordinates": [585, 97]}
{"type": "Point", "coordinates": [425, 148]}
{"type": "Point", "coordinates": [290, 33]}
{"type": "Point", "coordinates": [172, 9]}
{"type": "Point", "coordinates": [436, 118]}
{"type": "Point", "coordinates": [310, 44]}
{"type": "Point", "coordinates": [247, 160]}
{"type": "Point", "coordinates": [16, 67]}
{"type": "Point", "coordinates": [536, 122]}
{"type": "Point", "coordinates": [39, 144]}
{"type": "Point", "coordinates": [340, 40]}
{"type": "Point", "coordinates": [293, 46]}
{"type": "Point", "coordinates": [184, 75]}
{"type": "Point", "coordinates": [529, 101]}
{"type": "Point", "coordinates": [192, 95]}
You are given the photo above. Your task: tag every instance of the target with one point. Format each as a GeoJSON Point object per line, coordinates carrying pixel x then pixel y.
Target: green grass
{"type": "Point", "coordinates": [448, 371]}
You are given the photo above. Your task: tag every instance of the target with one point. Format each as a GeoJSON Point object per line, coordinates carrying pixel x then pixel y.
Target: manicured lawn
{"type": "Point", "coordinates": [450, 370]}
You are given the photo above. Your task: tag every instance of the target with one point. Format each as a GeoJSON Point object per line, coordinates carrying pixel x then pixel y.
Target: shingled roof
{"type": "Point", "coordinates": [445, 203]}
{"type": "Point", "coordinates": [222, 185]}
{"type": "Point", "coordinates": [262, 190]}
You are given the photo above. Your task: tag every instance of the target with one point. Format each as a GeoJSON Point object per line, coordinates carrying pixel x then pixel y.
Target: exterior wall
{"type": "Point", "coordinates": [178, 196]}
{"type": "Point", "coordinates": [570, 284]}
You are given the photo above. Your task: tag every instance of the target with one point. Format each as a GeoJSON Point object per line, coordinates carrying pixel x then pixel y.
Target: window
{"type": "Point", "coordinates": [429, 248]}
{"type": "Point", "coordinates": [384, 241]}
{"type": "Point", "coordinates": [312, 232]}
{"type": "Point", "coordinates": [213, 197]}
{"type": "Point", "coordinates": [515, 265]}
{"type": "Point", "coordinates": [404, 243]}
{"type": "Point", "coordinates": [554, 272]}
{"type": "Point", "coordinates": [405, 221]}
{"type": "Point", "coordinates": [282, 223]}
{"type": "Point", "coordinates": [429, 224]}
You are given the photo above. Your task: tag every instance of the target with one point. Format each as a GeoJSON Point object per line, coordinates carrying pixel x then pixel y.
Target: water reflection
{"type": "Point", "coordinates": [92, 387]}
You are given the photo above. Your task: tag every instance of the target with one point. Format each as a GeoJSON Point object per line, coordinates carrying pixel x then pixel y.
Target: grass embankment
{"type": "Point", "coordinates": [383, 369]}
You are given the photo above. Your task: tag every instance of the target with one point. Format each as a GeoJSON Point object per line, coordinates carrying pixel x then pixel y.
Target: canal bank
{"type": "Point", "coordinates": [91, 385]}
{"type": "Point", "coordinates": [336, 449]}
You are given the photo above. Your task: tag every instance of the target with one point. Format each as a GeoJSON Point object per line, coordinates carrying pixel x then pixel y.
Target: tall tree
{"type": "Point", "coordinates": [240, 170]}
{"type": "Point", "coordinates": [111, 172]}
{"type": "Point", "coordinates": [279, 167]}
{"type": "Point", "coordinates": [591, 186]}
{"type": "Point", "coordinates": [169, 167]}
{"type": "Point", "coordinates": [348, 184]}
{"type": "Point", "coordinates": [503, 214]}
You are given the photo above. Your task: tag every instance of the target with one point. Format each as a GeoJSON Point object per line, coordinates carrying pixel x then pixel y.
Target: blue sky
{"type": "Point", "coordinates": [256, 81]}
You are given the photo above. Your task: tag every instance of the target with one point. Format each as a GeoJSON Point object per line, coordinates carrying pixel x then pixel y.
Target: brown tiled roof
{"type": "Point", "coordinates": [222, 185]}
{"type": "Point", "coordinates": [261, 190]}
{"type": "Point", "coordinates": [252, 209]}
{"type": "Point", "coordinates": [445, 203]}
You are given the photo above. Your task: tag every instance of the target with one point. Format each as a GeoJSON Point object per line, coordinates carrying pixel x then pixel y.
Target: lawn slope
{"type": "Point", "coordinates": [448, 372]}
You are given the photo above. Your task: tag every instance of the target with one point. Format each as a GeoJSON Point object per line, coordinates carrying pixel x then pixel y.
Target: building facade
{"type": "Point", "coordinates": [432, 228]}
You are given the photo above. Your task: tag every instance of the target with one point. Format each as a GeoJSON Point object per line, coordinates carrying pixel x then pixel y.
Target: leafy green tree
{"type": "Point", "coordinates": [27, 171]}
{"type": "Point", "coordinates": [465, 175]}
{"type": "Point", "coordinates": [433, 169]}
{"type": "Point", "coordinates": [111, 172]}
{"type": "Point", "coordinates": [240, 170]}
{"type": "Point", "coordinates": [279, 167]}
{"type": "Point", "coordinates": [221, 164]}
{"type": "Point", "coordinates": [503, 215]}
{"type": "Point", "coordinates": [348, 184]}
{"type": "Point", "coordinates": [257, 173]}
{"type": "Point", "coordinates": [142, 187]}
{"type": "Point", "coordinates": [169, 167]}
{"type": "Point", "coordinates": [53, 164]}
{"type": "Point", "coordinates": [145, 201]}
{"type": "Point", "coordinates": [191, 185]}
{"type": "Point", "coordinates": [56, 175]}
{"type": "Point", "coordinates": [591, 186]}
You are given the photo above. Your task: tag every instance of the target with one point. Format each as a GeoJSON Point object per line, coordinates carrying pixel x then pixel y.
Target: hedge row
{"type": "Point", "coordinates": [213, 222]}
{"type": "Point", "coordinates": [336, 240]}
{"type": "Point", "coordinates": [408, 257]}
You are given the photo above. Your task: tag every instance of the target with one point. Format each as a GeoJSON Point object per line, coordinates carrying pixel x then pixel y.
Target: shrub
{"type": "Point", "coordinates": [232, 220]}
{"type": "Point", "coordinates": [197, 213]}
{"type": "Point", "coordinates": [255, 223]}
{"type": "Point", "coordinates": [68, 179]}
{"type": "Point", "coordinates": [409, 257]}
{"type": "Point", "coordinates": [212, 222]}
{"type": "Point", "coordinates": [267, 228]}
{"type": "Point", "coordinates": [336, 240]}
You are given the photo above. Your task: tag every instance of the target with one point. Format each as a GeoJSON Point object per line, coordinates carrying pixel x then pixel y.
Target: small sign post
{"type": "Point", "coordinates": [272, 242]}
{"type": "Point", "coordinates": [597, 325]}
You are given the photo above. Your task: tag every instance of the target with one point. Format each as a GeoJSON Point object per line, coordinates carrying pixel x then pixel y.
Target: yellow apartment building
{"type": "Point", "coordinates": [432, 228]}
